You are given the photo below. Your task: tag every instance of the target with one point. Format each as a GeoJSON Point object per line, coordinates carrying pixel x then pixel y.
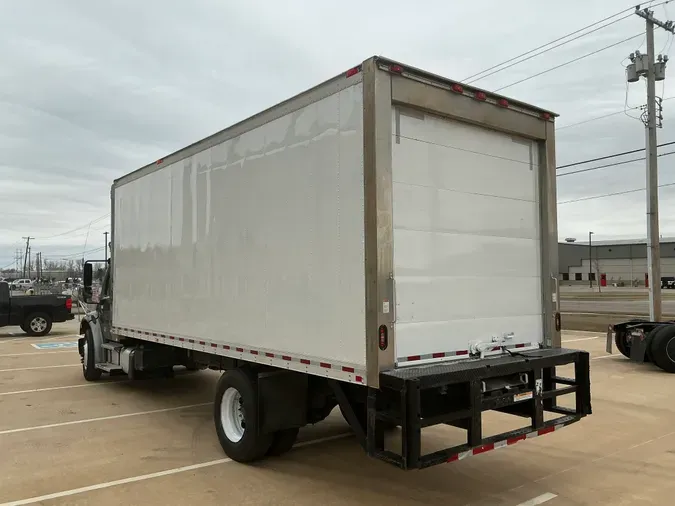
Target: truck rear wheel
{"type": "Point", "coordinates": [663, 348]}
{"type": "Point", "coordinates": [622, 342]}
{"type": "Point", "coordinates": [89, 358]}
{"type": "Point", "coordinates": [236, 416]}
{"type": "Point", "coordinates": [282, 442]}
{"type": "Point", "coordinates": [37, 324]}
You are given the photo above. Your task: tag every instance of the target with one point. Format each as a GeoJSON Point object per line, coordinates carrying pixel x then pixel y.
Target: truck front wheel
{"type": "Point", "coordinates": [236, 416]}
{"type": "Point", "coordinates": [663, 348]}
{"type": "Point", "coordinates": [89, 358]}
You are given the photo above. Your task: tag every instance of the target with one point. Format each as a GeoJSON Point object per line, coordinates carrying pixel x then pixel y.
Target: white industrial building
{"type": "Point", "coordinates": [621, 262]}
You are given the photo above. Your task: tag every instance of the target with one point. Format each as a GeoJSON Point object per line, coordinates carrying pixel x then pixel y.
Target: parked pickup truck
{"type": "Point", "coordinates": [35, 314]}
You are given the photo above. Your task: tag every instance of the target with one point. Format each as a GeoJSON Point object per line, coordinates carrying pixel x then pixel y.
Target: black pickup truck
{"type": "Point", "coordinates": [33, 313]}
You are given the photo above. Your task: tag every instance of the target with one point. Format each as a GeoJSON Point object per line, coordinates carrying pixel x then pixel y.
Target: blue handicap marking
{"type": "Point", "coordinates": [52, 346]}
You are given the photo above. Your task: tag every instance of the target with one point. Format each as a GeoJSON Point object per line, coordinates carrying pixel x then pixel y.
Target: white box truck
{"type": "Point", "coordinates": [384, 242]}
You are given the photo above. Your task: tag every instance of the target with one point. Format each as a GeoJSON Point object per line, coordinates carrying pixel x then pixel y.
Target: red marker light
{"type": "Point", "coordinates": [480, 96]}
{"type": "Point", "coordinates": [69, 304]}
{"type": "Point", "coordinates": [352, 72]}
{"type": "Point", "coordinates": [396, 68]}
{"type": "Point", "coordinates": [457, 88]}
{"type": "Point", "coordinates": [546, 116]}
{"type": "Point", "coordinates": [383, 340]}
{"type": "Point", "coordinates": [502, 102]}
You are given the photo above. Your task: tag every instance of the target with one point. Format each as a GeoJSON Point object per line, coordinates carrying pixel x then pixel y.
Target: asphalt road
{"type": "Point", "coordinates": [69, 442]}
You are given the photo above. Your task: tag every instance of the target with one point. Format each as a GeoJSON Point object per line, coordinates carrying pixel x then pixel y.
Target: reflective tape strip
{"type": "Point", "coordinates": [344, 372]}
{"type": "Point", "coordinates": [503, 443]}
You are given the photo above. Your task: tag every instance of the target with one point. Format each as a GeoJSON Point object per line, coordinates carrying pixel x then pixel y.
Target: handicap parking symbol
{"type": "Point", "coordinates": [54, 346]}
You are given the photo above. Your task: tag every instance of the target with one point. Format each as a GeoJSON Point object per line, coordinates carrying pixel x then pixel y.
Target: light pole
{"type": "Point", "coordinates": [590, 259]}
{"type": "Point", "coordinates": [106, 245]}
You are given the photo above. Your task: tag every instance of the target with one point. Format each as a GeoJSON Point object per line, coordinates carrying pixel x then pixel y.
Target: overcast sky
{"type": "Point", "coordinates": [92, 90]}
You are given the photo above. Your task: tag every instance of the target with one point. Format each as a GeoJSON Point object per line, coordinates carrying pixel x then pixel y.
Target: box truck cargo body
{"type": "Point", "coordinates": [385, 241]}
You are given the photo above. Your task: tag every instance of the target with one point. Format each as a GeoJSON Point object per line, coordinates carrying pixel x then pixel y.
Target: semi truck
{"type": "Point", "coordinates": [643, 340]}
{"type": "Point", "coordinates": [385, 243]}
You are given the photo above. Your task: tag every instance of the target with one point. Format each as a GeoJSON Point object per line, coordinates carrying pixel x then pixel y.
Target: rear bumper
{"type": "Point", "coordinates": [64, 317]}
{"type": "Point", "coordinates": [457, 394]}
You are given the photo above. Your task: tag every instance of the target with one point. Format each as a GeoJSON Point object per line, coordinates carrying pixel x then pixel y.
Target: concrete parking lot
{"type": "Point", "coordinates": [66, 441]}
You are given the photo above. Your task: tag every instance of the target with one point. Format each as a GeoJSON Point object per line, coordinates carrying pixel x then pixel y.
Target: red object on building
{"type": "Point", "coordinates": [603, 279]}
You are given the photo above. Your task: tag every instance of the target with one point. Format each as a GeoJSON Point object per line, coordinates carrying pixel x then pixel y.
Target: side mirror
{"type": "Point", "coordinates": [88, 278]}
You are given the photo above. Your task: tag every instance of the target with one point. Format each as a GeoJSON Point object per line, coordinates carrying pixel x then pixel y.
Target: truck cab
{"type": "Point", "coordinates": [101, 350]}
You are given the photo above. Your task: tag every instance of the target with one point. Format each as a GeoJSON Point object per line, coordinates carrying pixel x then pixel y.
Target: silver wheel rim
{"type": "Point", "coordinates": [84, 355]}
{"type": "Point", "coordinates": [668, 344]}
{"type": "Point", "coordinates": [38, 324]}
{"type": "Point", "coordinates": [232, 415]}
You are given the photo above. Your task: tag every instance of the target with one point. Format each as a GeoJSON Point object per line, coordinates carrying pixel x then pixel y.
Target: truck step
{"type": "Point", "coordinates": [113, 346]}
{"type": "Point", "coordinates": [108, 367]}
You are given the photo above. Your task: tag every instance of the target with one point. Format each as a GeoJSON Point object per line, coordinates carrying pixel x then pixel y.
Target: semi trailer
{"type": "Point", "coordinates": [385, 242]}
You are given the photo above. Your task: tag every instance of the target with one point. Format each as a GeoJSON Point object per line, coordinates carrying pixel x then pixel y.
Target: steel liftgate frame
{"type": "Point", "coordinates": [455, 394]}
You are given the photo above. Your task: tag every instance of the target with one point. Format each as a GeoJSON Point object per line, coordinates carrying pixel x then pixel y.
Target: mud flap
{"type": "Point", "coordinates": [638, 347]}
{"type": "Point", "coordinates": [610, 339]}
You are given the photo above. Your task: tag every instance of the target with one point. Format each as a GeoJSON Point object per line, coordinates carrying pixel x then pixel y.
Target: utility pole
{"type": "Point", "coordinates": [644, 65]}
{"type": "Point", "coordinates": [106, 245]}
{"type": "Point", "coordinates": [25, 256]}
{"type": "Point", "coordinates": [590, 260]}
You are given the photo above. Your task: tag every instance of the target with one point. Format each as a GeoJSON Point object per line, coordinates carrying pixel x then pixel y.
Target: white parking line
{"type": "Point", "coordinates": [99, 419]}
{"type": "Point", "coordinates": [34, 353]}
{"type": "Point", "coordinates": [603, 356]}
{"type": "Point", "coordinates": [580, 339]}
{"type": "Point", "coordinates": [66, 387]}
{"type": "Point", "coordinates": [40, 367]}
{"type": "Point", "coordinates": [70, 336]}
{"type": "Point", "coordinates": [532, 502]}
{"type": "Point", "coordinates": [159, 474]}
{"type": "Point", "coordinates": [26, 338]}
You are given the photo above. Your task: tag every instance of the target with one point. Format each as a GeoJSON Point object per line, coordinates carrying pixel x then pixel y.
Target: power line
{"type": "Point", "coordinates": [74, 255]}
{"type": "Point", "coordinates": [569, 62]}
{"type": "Point", "coordinates": [7, 266]}
{"type": "Point", "coordinates": [611, 165]}
{"type": "Point", "coordinates": [550, 48]}
{"type": "Point", "coordinates": [76, 229]}
{"type": "Point", "coordinates": [630, 9]}
{"type": "Point", "coordinates": [611, 156]}
{"type": "Point", "coordinates": [621, 111]}
{"type": "Point", "coordinates": [611, 194]}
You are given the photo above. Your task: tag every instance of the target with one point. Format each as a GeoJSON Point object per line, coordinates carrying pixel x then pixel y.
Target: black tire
{"type": "Point", "coordinates": [251, 445]}
{"type": "Point", "coordinates": [89, 370]}
{"type": "Point", "coordinates": [663, 348]}
{"type": "Point", "coordinates": [649, 356]}
{"type": "Point", "coordinates": [621, 339]}
{"type": "Point", "coordinates": [282, 442]}
{"type": "Point", "coordinates": [37, 324]}
{"type": "Point", "coordinates": [621, 343]}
